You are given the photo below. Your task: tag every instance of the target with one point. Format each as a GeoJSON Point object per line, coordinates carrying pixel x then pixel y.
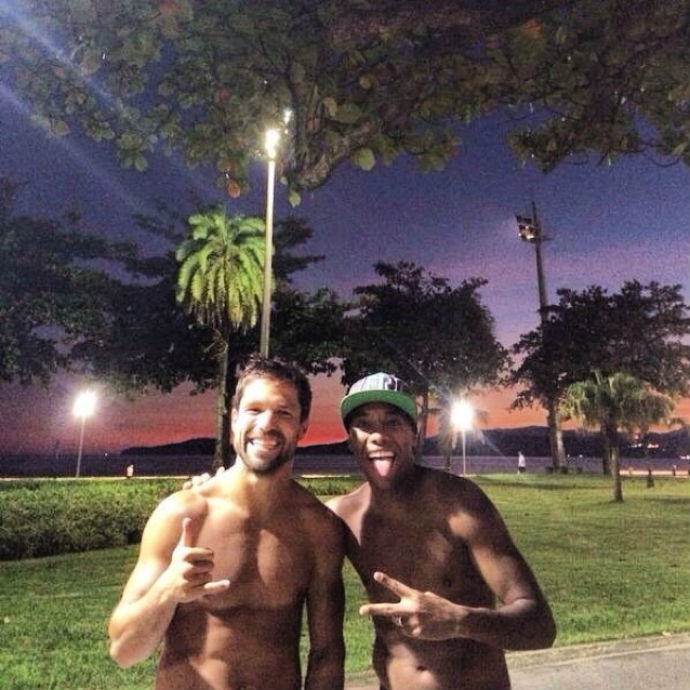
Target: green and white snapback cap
{"type": "Point", "coordinates": [379, 388]}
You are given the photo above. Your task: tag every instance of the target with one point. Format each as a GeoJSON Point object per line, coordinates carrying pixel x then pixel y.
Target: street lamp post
{"type": "Point", "coordinates": [462, 416]}
{"type": "Point", "coordinates": [271, 147]}
{"type": "Point", "coordinates": [529, 230]}
{"type": "Point", "coordinates": [84, 406]}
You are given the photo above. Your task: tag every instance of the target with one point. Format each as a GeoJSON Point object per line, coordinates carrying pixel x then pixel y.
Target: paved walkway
{"type": "Point", "coordinates": [649, 663]}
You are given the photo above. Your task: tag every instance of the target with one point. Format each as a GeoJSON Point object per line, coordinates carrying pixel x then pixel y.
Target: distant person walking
{"type": "Point", "coordinates": [522, 463]}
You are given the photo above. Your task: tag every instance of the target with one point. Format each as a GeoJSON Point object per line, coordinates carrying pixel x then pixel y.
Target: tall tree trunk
{"type": "Point", "coordinates": [614, 455]}
{"type": "Point", "coordinates": [616, 469]}
{"type": "Point", "coordinates": [230, 386]}
{"type": "Point", "coordinates": [555, 436]}
{"type": "Point", "coordinates": [606, 453]}
{"type": "Point", "coordinates": [220, 452]}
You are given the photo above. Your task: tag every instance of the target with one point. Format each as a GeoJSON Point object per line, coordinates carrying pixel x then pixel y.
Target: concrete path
{"type": "Point", "coordinates": [648, 663]}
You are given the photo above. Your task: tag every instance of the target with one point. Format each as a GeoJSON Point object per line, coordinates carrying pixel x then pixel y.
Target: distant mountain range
{"type": "Point", "coordinates": [531, 440]}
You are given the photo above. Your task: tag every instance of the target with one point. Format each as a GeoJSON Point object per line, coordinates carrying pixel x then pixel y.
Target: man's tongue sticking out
{"type": "Point", "coordinates": [383, 463]}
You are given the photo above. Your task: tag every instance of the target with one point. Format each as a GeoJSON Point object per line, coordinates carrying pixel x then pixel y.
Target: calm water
{"type": "Point", "coordinates": [183, 465]}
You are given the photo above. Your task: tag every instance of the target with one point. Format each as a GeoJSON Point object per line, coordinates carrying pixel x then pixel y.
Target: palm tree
{"type": "Point", "coordinates": [615, 403]}
{"type": "Point", "coordinates": [220, 281]}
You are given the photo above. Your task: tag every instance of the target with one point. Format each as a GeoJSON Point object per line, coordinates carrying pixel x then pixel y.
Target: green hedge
{"type": "Point", "coordinates": [54, 516]}
{"type": "Point", "coordinates": [50, 517]}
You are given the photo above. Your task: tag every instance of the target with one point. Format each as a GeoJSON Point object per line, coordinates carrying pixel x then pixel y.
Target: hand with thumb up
{"type": "Point", "coordinates": [190, 569]}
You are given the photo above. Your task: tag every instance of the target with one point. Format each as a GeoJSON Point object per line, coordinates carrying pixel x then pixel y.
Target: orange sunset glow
{"type": "Point", "coordinates": [156, 419]}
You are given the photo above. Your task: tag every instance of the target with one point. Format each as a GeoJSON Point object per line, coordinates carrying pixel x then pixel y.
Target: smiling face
{"type": "Point", "coordinates": [267, 424]}
{"type": "Point", "coordinates": [383, 440]}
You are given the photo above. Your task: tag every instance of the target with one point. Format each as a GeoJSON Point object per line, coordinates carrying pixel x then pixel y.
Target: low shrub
{"type": "Point", "coordinates": [54, 516]}
{"type": "Point", "coordinates": [51, 517]}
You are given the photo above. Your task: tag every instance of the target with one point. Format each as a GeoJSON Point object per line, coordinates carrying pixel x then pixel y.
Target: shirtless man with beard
{"type": "Point", "coordinates": [226, 568]}
{"type": "Point", "coordinates": [448, 589]}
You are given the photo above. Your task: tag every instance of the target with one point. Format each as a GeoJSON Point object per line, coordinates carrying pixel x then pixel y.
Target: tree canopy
{"type": "Point", "coordinates": [55, 291]}
{"type": "Point", "coordinates": [437, 337]}
{"type": "Point", "coordinates": [641, 331]}
{"type": "Point", "coordinates": [615, 403]}
{"type": "Point", "coordinates": [362, 81]}
{"type": "Point", "coordinates": [221, 270]}
{"type": "Point", "coordinates": [70, 300]}
{"type": "Point", "coordinates": [153, 341]}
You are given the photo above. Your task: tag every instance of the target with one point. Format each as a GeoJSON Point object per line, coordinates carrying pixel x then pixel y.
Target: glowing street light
{"type": "Point", "coordinates": [461, 418]}
{"type": "Point", "coordinates": [271, 141]}
{"type": "Point", "coordinates": [84, 406]}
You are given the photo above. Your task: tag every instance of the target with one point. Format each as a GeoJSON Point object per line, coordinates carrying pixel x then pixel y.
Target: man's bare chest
{"type": "Point", "coordinates": [268, 562]}
{"type": "Point", "coordinates": [421, 553]}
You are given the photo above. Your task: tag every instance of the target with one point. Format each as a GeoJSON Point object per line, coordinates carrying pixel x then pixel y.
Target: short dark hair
{"type": "Point", "coordinates": [258, 367]}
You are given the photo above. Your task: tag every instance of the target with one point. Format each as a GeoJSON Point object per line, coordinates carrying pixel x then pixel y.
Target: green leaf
{"type": "Point", "coordinates": [90, 62]}
{"type": "Point", "coordinates": [348, 114]}
{"type": "Point", "coordinates": [364, 158]}
{"type": "Point", "coordinates": [366, 82]}
{"type": "Point", "coordinates": [140, 162]}
{"type": "Point", "coordinates": [294, 198]}
{"type": "Point", "coordinates": [59, 128]}
{"type": "Point", "coordinates": [680, 149]}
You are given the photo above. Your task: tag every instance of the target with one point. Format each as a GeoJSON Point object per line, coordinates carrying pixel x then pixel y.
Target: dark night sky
{"type": "Point", "coordinates": [608, 224]}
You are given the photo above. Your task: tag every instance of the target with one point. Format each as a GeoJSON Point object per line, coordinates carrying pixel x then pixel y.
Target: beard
{"type": "Point", "coordinates": [263, 462]}
{"type": "Point", "coordinates": [269, 467]}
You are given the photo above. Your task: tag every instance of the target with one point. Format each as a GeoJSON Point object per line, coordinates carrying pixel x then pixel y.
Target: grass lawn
{"type": "Point", "coordinates": [609, 570]}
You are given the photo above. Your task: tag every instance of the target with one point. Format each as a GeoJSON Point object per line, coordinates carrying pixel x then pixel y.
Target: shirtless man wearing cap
{"type": "Point", "coordinates": [434, 556]}
{"type": "Point", "coordinates": [226, 568]}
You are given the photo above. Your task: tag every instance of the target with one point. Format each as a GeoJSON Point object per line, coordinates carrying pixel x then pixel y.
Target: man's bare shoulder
{"type": "Point", "coordinates": [464, 505]}
{"type": "Point", "coordinates": [314, 507]}
{"type": "Point", "coordinates": [186, 503]}
{"type": "Point", "coordinates": [324, 529]}
{"type": "Point", "coordinates": [350, 503]}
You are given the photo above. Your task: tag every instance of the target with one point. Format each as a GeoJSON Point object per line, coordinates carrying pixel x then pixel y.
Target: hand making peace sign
{"type": "Point", "coordinates": [423, 615]}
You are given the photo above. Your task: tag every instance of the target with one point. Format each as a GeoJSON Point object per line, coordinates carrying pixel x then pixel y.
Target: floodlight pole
{"type": "Point", "coordinates": [532, 233]}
